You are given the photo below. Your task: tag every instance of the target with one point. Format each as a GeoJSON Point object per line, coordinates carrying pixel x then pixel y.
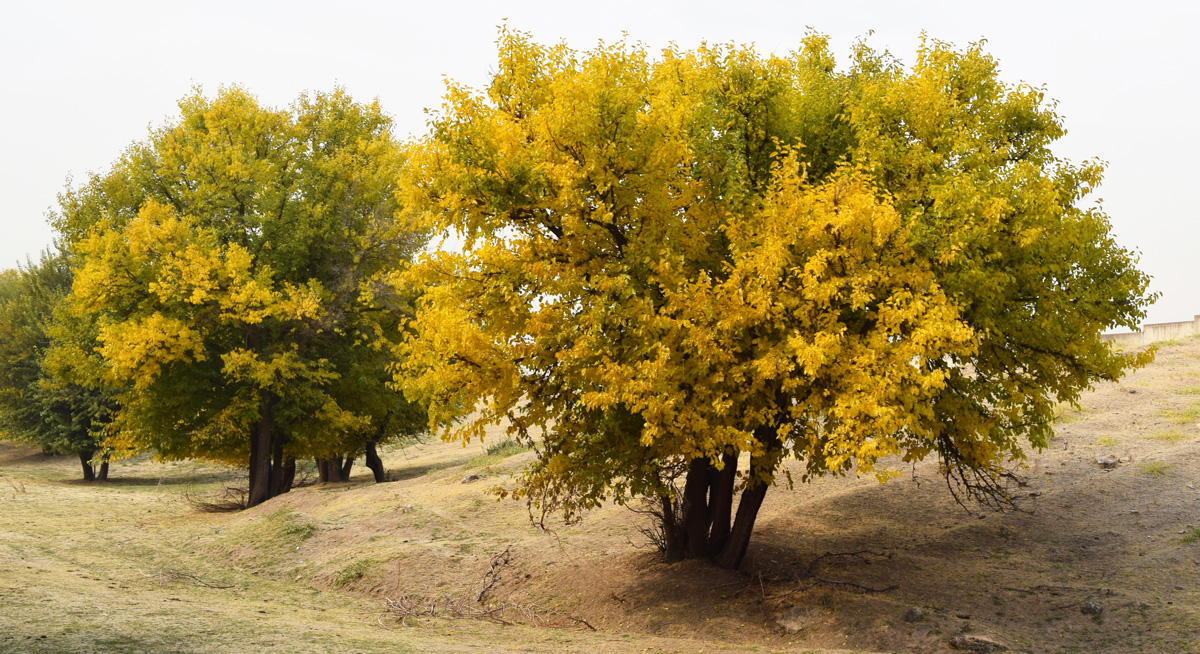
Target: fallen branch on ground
{"type": "Point", "coordinates": [493, 574]}
{"type": "Point", "coordinates": [506, 613]}
{"type": "Point", "coordinates": [184, 577]}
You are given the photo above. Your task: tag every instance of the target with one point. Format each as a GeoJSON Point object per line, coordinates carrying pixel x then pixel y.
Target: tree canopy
{"type": "Point", "coordinates": [236, 267]}
{"type": "Point", "coordinates": [672, 262]}
{"type": "Point", "coordinates": [39, 403]}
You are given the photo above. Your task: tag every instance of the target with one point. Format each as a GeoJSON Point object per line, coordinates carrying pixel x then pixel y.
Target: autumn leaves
{"type": "Point", "coordinates": [673, 267]}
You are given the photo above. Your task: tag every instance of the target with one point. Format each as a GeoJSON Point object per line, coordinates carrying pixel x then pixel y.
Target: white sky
{"type": "Point", "coordinates": [81, 81]}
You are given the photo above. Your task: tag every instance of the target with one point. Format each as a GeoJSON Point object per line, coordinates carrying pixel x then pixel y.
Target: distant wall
{"type": "Point", "coordinates": [1163, 331]}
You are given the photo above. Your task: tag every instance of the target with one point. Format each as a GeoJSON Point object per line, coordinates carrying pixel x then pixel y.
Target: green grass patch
{"type": "Point", "coordinates": [1181, 416]}
{"type": "Point", "coordinates": [498, 452]}
{"type": "Point", "coordinates": [284, 528]}
{"type": "Point", "coordinates": [1188, 390]}
{"type": "Point", "coordinates": [1107, 441]}
{"type": "Point", "coordinates": [1064, 413]}
{"type": "Point", "coordinates": [1168, 436]}
{"type": "Point", "coordinates": [1154, 468]}
{"type": "Point", "coordinates": [1192, 535]}
{"type": "Point", "coordinates": [353, 572]}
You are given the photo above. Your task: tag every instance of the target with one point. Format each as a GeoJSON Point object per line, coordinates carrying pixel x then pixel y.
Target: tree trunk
{"type": "Point", "coordinates": [85, 459]}
{"type": "Point", "coordinates": [276, 476]}
{"type": "Point", "coordinates": [102, 474]}
{"type": "Point", "coordinates": [721, 501]}
{"type": "Point", "coordinates": [346, 468]}
{"type": "Point", "coordinates": [375, 463]}
{"type": "Point", "coordinates": [288, 474]}
{"type": "Point", "coordinates": [674, 541]}
{"type": "Point", "coordinates": [752, 498]}
{"type": "Point", "coordinates": [329, 470]}
{"type": "Point", "coordinates": [260, 454]}
{"type": "Point", "coordinates": [696, 516]}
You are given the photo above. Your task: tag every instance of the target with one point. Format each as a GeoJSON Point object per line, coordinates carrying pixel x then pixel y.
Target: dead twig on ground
{"type": "Point", "coordinates": [230, 499]}
{"type": "Point", "coordinates": [507, 613]}
{"type": "Point", "coordinates": [180, 576]}
{"type": "Point", "coordinates": [809, 572]}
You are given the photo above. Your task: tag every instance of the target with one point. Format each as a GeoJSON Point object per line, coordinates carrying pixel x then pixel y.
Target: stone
{"type": "Point", "coordinates": [1106, 462]}
{"type": "Point", "coordinates": [975, 643]}
{"type": "Point", "coordinates": [794, 620]}
{"type": "Point", "coordinates": [914, 614]}
{"type": "Point", "coordinates": [474, 476]}
{"type": "Point", "coordinates": [1091, 607]}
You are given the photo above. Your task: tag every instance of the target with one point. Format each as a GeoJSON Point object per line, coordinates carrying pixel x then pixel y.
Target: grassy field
{"type": "Point", "coordinates": [130, 565]}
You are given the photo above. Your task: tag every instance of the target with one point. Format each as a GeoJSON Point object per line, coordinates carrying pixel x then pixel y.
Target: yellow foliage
{"type": "Point", "coordinates": [713, 252]}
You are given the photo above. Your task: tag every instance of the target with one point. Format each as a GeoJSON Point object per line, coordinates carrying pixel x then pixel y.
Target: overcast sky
{"type": "Point", "coordinates": [81, 81]}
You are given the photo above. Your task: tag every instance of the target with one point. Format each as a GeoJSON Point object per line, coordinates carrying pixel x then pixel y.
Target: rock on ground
{"type": "Point", "coordinates": [974, 643]}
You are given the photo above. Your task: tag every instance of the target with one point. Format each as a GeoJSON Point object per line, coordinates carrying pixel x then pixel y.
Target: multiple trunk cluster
{"type": "Point", "coordinates": [703, 524]}
{"type": "Point", "coordinates": [94, 472]}
{"type": "Point", "coordinates": [273, 474]}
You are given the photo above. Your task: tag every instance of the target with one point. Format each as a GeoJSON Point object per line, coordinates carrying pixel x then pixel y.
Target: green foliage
{"type": "Point", "coordinates": [36, 405]}
{"type": "Point", "coordinates": [236, 264]}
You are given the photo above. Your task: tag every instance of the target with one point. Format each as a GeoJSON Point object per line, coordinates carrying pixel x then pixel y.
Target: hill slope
{"type": "Point", "coordinates": [130, 560]}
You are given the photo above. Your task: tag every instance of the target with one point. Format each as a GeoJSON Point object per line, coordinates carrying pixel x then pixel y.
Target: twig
{"type": "Point", "coordinates": [180, 576]}
{"type": "Point", "coordinates": [582, 621]}
{"type": "Point", "coordinates": [493, 574]}
{"type": "Point", "coordinates": [869, 589]}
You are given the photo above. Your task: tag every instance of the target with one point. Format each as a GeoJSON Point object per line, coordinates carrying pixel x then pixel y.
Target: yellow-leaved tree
{"type": "Point", "coordinates": [235, 267]}
{"type": "Point", "coordinates": [672, 263]}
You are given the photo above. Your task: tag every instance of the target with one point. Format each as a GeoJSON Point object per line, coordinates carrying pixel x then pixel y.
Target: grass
{"type": "Point", "coordinates": [1181, 416]}
{"type": "Point", "coordinates": [353, 572]}
{"type": "Point", "coordinates": [135, 571]}
{"type": "Point", "coordinates": [1189, 390]}
{"type": "Point", "coordinates": [1170, 342]}
{"type": "Point", "coordinates": [1154, 468]}
{"type": "Point", "coordinates": [1168, 436]}
{"type": "Point", "coordinates": [1192, 535]}
{"type": "Point", "coordinates": [498, 452]}
{"type": "Point", "coordinates": [1064, 413]}
{"type": "Point", "coordinates": [1107, 441]}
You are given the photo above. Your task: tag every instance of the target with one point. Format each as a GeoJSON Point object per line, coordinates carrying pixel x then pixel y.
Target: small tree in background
{"type": "Point", "coordinates": [236, 265]}
{"type": "Point", "coordinates": [671, 263]}
{"type": "Point", "coordinates": [38, 404]}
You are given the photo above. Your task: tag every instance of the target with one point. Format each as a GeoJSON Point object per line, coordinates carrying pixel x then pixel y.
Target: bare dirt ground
{"type": "Point", "coordinates": [130, 566]}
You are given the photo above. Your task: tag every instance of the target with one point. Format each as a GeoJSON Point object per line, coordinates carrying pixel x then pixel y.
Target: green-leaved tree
{"type": "Point", "coordinates": [39, 404]}
{"type": "Point", "coordinates": [236, 265]}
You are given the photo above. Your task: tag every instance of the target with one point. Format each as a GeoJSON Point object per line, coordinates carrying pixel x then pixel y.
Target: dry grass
{"type": "Point", "coordinates": [324, 561]}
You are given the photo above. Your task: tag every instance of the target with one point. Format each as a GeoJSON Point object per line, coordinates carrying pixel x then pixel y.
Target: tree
{"type": "Point", "coordinates": [236, 264]}
{"type": "Point", "coordinates": [671, 263]}
{"type": "Point", "coordinates": [38, 406]}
